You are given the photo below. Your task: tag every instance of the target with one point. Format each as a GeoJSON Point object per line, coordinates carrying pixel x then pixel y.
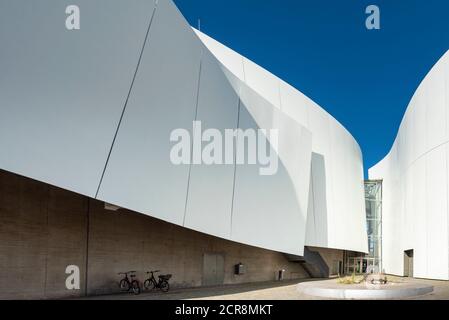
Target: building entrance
{"type": "Point", "coordinates": [408, 263]}
{"type": "Point", "coordinates": [213, 269]}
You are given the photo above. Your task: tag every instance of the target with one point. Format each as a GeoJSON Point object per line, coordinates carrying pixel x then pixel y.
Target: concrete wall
{"type": "Point", "coordinates": [43, 229]}
{"type": "Point", "coordinates": [331, 257]}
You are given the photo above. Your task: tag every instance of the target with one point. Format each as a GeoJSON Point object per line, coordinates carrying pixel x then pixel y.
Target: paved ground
{"type": "Point", "coordinates": [285, 290]}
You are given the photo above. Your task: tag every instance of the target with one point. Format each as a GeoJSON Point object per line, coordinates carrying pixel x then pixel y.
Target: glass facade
{"type": "Point", "coordinates": [372, 262]}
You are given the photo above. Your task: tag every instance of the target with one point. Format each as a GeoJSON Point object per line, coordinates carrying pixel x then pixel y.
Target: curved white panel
{"type": "Point", "coordinates": [62, 92]}
{"type": "Point", "coordinates": [273, 206]}
{"type": "Point", "coordinates": [336, 170]}
{"type": "Point", "coordinates": [228, 57]}
{"type": "Point", "coordinates": [294, 104]}
{"type": "Point", "coordinates": [140, 175]}
{"type": "Point", "coordinates": [61, 102]}
{"type": "Point", "coordinates": [263, 82]}
{"type": "Point", "coordinates": [415, 182]}
{"type": "Point", "coordinates": [211, 187]}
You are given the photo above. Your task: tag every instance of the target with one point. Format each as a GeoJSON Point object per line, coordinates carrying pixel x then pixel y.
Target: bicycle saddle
{"type": "Point", "coordinates": [125, 273]}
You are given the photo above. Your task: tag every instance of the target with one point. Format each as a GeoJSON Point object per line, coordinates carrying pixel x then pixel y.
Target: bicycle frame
{"type": "Point", "coordinates": [152, 283]}
{"type": "Point", "coordinates": [130, 281]}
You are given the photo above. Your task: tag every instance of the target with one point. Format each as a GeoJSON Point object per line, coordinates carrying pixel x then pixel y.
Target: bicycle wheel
{"type": "Point", "coordinates": [135, 286]}
{"type": "Point", "coordinates": [164, 286]}
{"type": "Point", "coordinates": [124, 285]}
{"type": "Point", "coordinates": [148, 284]}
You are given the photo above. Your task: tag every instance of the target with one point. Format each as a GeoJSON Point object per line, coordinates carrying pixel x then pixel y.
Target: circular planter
{"type": "Point", "coordinates": [326, 289]}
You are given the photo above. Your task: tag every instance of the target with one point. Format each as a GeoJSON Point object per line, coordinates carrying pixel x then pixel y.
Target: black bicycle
{"type": "Point", "coordinates": [127, 285]}
{"type": "Point", "coordinates": [162, 284]}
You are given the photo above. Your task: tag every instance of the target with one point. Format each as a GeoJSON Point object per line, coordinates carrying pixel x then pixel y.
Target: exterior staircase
{"type": "Point", "coordinates": [312, 263]}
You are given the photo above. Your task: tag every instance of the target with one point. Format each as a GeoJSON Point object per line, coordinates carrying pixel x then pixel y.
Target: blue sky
{"type": "Point", "coordinates": [365, 79]}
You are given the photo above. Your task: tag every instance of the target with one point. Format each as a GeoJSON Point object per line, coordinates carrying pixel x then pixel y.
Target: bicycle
{"type": "Point", "coordinates": [126, 284]}
{"type": "Point", "coordinates": [162, 285]}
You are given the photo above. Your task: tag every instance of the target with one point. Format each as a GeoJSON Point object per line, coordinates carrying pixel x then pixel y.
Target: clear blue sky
{"type": "Point", "coordinates": [363, 78]}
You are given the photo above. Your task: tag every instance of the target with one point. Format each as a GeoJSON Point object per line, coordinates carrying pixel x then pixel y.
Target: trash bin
{"type": "Point", "coordinates": [281, 275]}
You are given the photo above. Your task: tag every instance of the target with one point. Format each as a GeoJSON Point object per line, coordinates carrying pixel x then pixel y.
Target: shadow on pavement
{"type": "Point", "coordinates": [201, 292]}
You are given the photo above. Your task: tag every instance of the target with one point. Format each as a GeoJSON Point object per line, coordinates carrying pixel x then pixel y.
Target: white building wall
{"type": "Point", "coordinates": [139, 174]}
{"type": "Point", "coordinates": [336, 216]}
{"type": "Point", "coordinates": [218, 108]}
{"type": "Point", "coordinates": [415, 182]}
{"type": "Point", "coordinates": [89, 117]}
{"type": "Point", "coordinates": [62, 92]}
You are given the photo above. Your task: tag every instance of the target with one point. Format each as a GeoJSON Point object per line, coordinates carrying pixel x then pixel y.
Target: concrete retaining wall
{"type": "Point", "coordinates": [43, 229]}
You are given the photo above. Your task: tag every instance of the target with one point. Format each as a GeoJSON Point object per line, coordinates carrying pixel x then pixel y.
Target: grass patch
{"type": "Point", "coordinates": [352, 279]}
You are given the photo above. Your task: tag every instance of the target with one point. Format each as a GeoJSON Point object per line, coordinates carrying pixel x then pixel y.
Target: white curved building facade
{"type": "Point", "coordinates": [172, 88]}
{"type": "Point", "coordinates": [91, 111]}
{"type": "Point", "coordinates": [335, 208]}
{"type": "Point", "coordinates": [415, 179]}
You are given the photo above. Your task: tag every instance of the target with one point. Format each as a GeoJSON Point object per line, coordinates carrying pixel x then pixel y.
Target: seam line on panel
{"type": "Point", "coordinates": [127, 98]}
{"type": "Point", "coordinates": [447, 166]}
{"type": "Point", "coordinates": [280, 96]}
{"type": "Point", "coordinates": [425, 154]}
{"type": "Point", "coordinates": [244, 71]}
{"type": "Point", "coordinates": [315, 236]}
{"type": "Point", "coordinates": [236, 144]}
{"type": "Point", "coordinates": [331, 185]}
{"type": "Point", "coordinates": [193, 134]}
{"type": "Point", "coordinates": [235, 167]}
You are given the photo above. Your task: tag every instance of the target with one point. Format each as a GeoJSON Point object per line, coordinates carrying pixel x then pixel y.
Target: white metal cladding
{"type": "Point", "coordinates": [218, 107]}
{"type": "Point", "coordinates": [139, 174]}
{"type": "Point", "coordinates": [61, 122]}
{"type": "Point", "coordinates": [415, 182]}
{"type": "Point", "coordinates": [336, 207]}
{"type": "Point", "coordinates": [62, 92]}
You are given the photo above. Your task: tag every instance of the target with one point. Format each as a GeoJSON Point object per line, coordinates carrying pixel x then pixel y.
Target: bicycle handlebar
{"type": "Point", "coordinates": [154, 271]}
{"type": "Point", "coordinates": [127, 272]}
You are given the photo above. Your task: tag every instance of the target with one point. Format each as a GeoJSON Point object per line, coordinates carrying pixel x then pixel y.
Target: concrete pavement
{"type": "Point", "coordinates": [285, 290]}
